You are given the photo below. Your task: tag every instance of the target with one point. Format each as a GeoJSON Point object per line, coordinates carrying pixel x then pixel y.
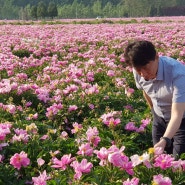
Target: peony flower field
{"type": "Point", "coordinates": [70, 112]}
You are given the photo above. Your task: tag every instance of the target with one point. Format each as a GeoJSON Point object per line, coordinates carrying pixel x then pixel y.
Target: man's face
{"type": "Point", "coordinates": [149, 71]}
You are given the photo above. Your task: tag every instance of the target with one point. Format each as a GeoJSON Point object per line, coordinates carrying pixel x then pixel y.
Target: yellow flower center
{"type": "Point", "coordinates": [151, 150]}
{"type": "Point", "coordinates": [154, 183]}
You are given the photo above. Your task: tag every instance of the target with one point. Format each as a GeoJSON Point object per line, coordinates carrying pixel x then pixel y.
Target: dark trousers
{"type": "Point", "coordinates": [178, 141]}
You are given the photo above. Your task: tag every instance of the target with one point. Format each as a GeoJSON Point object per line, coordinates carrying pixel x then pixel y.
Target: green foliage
{"type": "Point", "coordinates": [21, 53]}
{"type": "Point", "coordinates": [3, 74]}
{"type": "Point", "coordinates": [81, 9]}
{"type": "Point", "coordinates": [41, 10]}
{"type": "Point", "coordinates": [145, 21]}
{"type": "Point", "coordinates": [109, 97]}
{"type": "Point", "coordinates": [106, 21]}
{"type": "Point", "coordinates": [34, 12]}
{"type": "Point", "coordinates": [52, 10]}
{"type": "Point", "coordinates": [133, 21]}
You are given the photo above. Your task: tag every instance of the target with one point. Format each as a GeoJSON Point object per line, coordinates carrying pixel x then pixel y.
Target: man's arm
{"type": "Point", "coordinates": [148, 99]}
{"type": "Point", "coordinates": [176, 119]}
{"type": "Point", "coordinates": [177, 113]}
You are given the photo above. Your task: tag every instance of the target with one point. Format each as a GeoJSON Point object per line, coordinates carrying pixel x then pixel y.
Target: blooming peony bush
{"type": "Point", "coordinates": [69, 109]}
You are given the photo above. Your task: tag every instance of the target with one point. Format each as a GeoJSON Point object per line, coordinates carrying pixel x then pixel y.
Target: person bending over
{"type": "Point", "coordinates": [162, 80]}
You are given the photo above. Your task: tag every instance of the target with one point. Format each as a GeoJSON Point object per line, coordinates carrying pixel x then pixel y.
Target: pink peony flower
{"type": "Point", "coordinates": [44, 137]}
{"type": "Point", "coordinates": [4, 130]}
{"type": "Point", "coordinates": [134, 181]}
{"type": "Point", "coordinates": [28, 104]}
{"type": "Point", "coordinates": [130, 126]}
{"type": "Point", "coordinates": [83, 167]}
{"type": "Point", "coordinates": [5, 86]}
{"type": "Point", "coordinates": [120, 82]}
{"type": "Point", "coordinates": [122, 161]}
{"type": "Point", "coordinates": [108, 116]}
{"type": "Point", "coordinates": [91, 106]}
{"type": "Point", "coordinates": [92, 90]}
{"type": "Point", "coordinates": [92, 132]}
{"type": "Point", "coordinates": [3, 145]}
{"type": "Point", "coordinates": [102, 154]}
{"type": "Point", "coordinates": [19, 160]}
{"type": "Point", "coordinates": [164, 161]}
{"type": "Point", "coordinates": [62, 163]}
{"type": "Point", "coordinates": [43, 94]}
{"type": "Point", "coordinates": [32, 116]}
{"type": "Point", "coordinates": [111, 73]}
{"type": "Point", "coordinates": [129, 91]}
{"type": "Point", "coordinates": [145, 122]}
{"type": "Point", "coordinates": [76, 127]}
{"type": "Point", "coordinates": [53, 110]}
{"type": "Point", "coordinates": [72, 108]}
{"type": "Point", "coordinates": [140, 129]}
{"type": "Point", "coordinates": [20, 135]}
{"type": "Point", "coordinates": [41, 179]}
{"type": "Point", "coordinates": [114, 148]}
{"type": "Point", "coordinates": [40, 161]}
{"type": "Point", "coordinates": [70, 89]}
{"type": "Point", "coordinates": [85, 150]}
{"type": "Point", "coordinates": [11, 109]}
{"type": "Point", "coordinates": [160, 180]}
{"type": "Point", "coordinates": [183, 165]}
{"type": "Point", "coordinates": [112, 122]}
{"type": "Point", "coordinates": [1, 158]}
{"type": "Point", "coordinates": [90, 76]}
{"type": "Point", "coordinates": [64, 135]}
{"type": "Point", "coordinates": [92, 136]}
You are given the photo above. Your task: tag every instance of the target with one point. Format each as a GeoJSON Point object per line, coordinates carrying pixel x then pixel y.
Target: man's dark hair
{"type": "Point", "coordinates": [139, 53]}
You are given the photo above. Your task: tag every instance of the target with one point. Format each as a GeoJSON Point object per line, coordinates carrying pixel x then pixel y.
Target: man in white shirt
{"type": "Point", "coordinates": [162, 80]}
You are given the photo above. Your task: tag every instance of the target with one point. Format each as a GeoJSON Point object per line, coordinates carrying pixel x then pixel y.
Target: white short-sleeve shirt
{"type": "Point", "coordinates": [168, 87]}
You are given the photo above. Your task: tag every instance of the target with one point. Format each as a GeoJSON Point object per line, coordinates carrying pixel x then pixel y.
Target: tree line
{"type": "Point", "coordinates": [34, 9]}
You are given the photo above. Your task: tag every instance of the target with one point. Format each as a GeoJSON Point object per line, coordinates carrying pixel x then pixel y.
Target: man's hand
{"type": "Point", "coordinates": [161, 144]}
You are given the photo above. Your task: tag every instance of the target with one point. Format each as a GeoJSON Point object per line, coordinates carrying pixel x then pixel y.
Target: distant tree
{"type": "Point", "coordinates": [114, 2]}
{"type": "Point", "coordinates": [97, 8]}
{"type": "Point", "coordinates": [66, 12]}
{"type": "Point", "coordinates": [119, 11]}
{"type": "Point", "coordinates": [180, 2]}
{"type": "Point", "coordinates": [65, 2]}
{"type": "Point", "coordinates": [86, 11]}
{"type": "Point", "coordinates": [14, 9]}
{"type": "Point", "coordinates": [173, 11]}
{"type": "Point", "coordinates": [153, 11]}
{"type": "Point", "coordinates": [25, 13]}
{"type": "Point", "coordinates": [75, 9]}
{"type": "Point", "coordinates": [142, 8]}
{"type": "Point", "coordinates": [129, 6]}
{"type": "Point", "coordinates": [107, 10]}
{"type": "Point", "coordinates": [9, 11]}
{"type": "Point", "coordinates": [41, 10]}
{"type": "Point", "coordinates": [33, 12]}
{"type": "Point", "coordinates": [52, 10]}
